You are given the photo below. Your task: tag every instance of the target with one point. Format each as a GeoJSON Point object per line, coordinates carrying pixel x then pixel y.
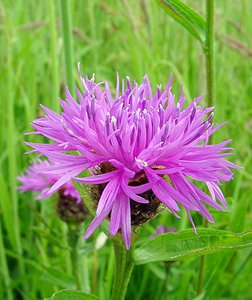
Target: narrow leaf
{"type": "Point", "coordinates": [57, 278]}
{"type": "Point", "coordinates": [7, 211]}
{"type": "Point", "coordinates": [185, 16]}
{"type": "Point", "coordinates": [177, 246]}
{"type": "Point", "coordinates": [73, 295]}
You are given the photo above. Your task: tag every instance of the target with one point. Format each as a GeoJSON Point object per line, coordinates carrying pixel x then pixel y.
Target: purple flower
{"type": "Point", "coordinates": [136, 133]}
{"type": "Point", "coordinates": [37, 180]}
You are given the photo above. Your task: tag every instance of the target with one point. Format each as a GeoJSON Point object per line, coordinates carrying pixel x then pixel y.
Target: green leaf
{"type": "Point", "coordinates": [185, 16]}
{"type": "Point", "coordinates": [177, 246]}
{"type": "Point", "coordinates": [6, 210]}
{"type": "Point", "coordinates": [72, 295]}
{"type": "Point", "coordinates": [58, 278]}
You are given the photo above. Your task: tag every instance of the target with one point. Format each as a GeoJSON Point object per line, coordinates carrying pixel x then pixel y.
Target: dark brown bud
{"type": "Point", "coordinates": [69, 210]}
{"type": "Point", "coordinates": [140, 213]}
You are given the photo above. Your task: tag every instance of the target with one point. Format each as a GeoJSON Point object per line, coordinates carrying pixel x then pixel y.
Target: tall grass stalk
{"type": "Point", "coordinates": [209, 53]}
{"type": "Point", "coordinates": [210, 80]}
{"type": "Point", "coordinates": [55, 77]}
{"type": "Point", "coordinates": [68, 42]}
{"type": "Point", "coordinates": [11, 147]}
{"type": "Point", "coordinates": [4, 269]}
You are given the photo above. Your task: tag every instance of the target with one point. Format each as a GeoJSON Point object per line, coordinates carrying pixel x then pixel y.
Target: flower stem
{"type": "Point", "coordinates": [73, 242]}
{"type": "Point", "coordinates": [209, 53]}
{"type": "Point", "coordinates": [68, 43]}
{"type": "Point", "coordinates": [124, 264]}
{"type": "Point", "coordinates": [210, 80]}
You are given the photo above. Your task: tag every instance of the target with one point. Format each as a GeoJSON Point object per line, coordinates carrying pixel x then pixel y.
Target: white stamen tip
{"type": "Point", "coordinates": [141, 162]}
{"type": "Point", "coordinates": [69, 131]}
{"type": "Point", "coordinates": [113, 120]}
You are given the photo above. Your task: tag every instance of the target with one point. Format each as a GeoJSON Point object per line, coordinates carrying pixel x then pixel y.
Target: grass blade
{"type": "Point", "coordinates": [185, 16]}
{"type": "Point", "coordinates": [68, 42]}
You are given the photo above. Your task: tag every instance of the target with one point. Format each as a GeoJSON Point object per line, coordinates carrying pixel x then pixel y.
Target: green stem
{"type": "Point", "coordinates": [85, 272]}
{"type": "Point", "coordinates": [68, 43]}
{"type": "Point", "coordinates": [209, 53]}
{"type": "Point", "coordinates": [55, 78]}
{"type": "Point", "coordinates": [124, 264]}
{"type": "Point", "coordinates": [73, 242]}
{"type": "Point", "coordinates": [210, 80]}
{"type": "Point", "coordinates": [201, 273]}
{"type": "Point", "coordinates": [202, 266]}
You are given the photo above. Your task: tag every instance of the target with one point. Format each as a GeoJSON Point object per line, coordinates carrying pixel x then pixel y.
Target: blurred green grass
{"type": "Point", "coordinates": [133, 38]}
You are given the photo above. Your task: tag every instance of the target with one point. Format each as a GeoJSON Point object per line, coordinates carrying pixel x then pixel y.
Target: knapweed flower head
{"type": "Point", "coordinates": [37, 180]}
{"type": "Point", "coordinates": [141, 148]}
{"type": "Point", "coordinates": [70, 207]}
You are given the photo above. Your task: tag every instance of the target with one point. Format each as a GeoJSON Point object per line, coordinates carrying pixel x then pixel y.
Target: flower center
{"type": "Point", "coordinates": [140, 213]}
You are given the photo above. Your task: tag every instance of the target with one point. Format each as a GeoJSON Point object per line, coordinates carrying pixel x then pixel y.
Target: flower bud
{"type": "Point", "coordinates": [70, 210]}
